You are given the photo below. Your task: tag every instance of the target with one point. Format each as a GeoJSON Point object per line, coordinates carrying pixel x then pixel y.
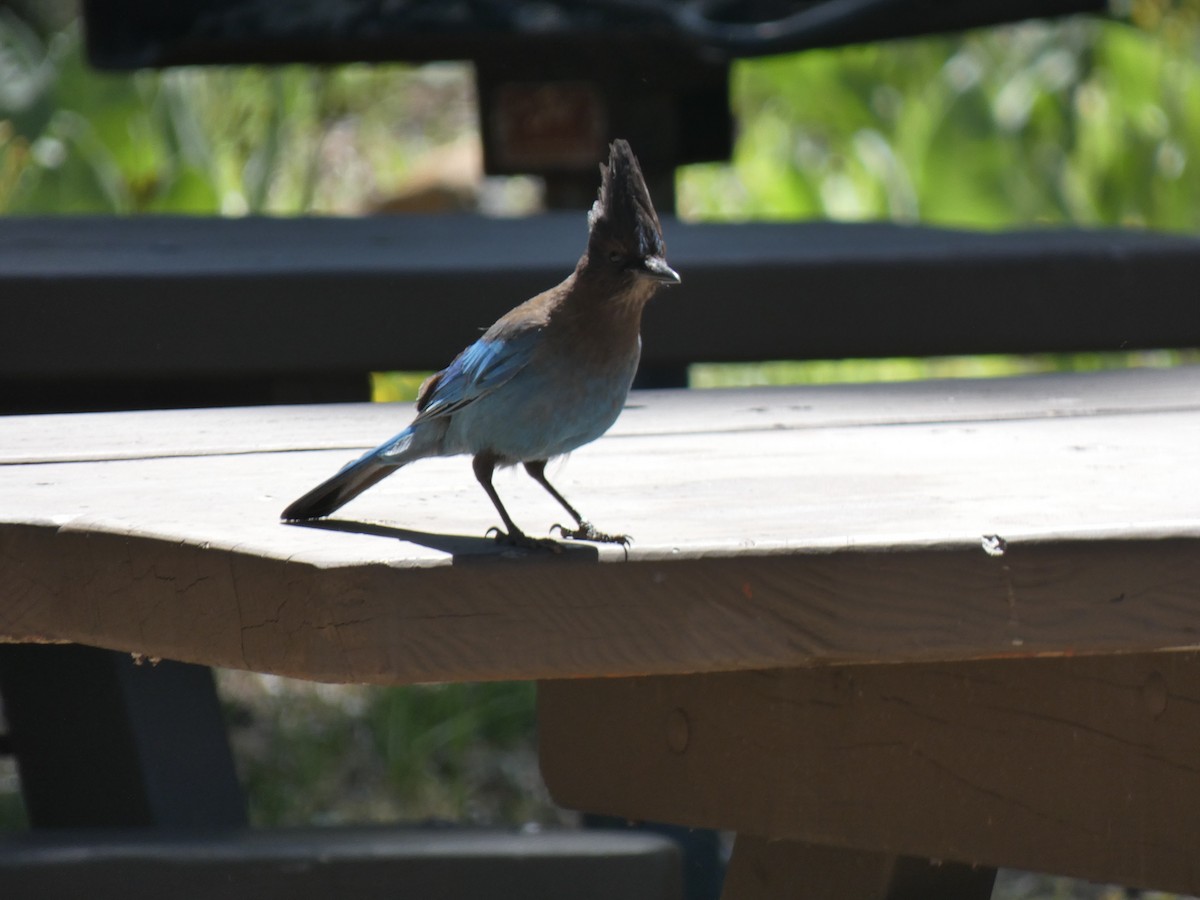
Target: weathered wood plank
{"type": "Point", "coordinates": [485, 618]}
{"type": "Point", "coordinates": [154, 551]}
{"type": "Point", "coordinates": [853, 544]}
{"type": "Point", "coordinates": [1079, 766]}
{"type": "Point", "coordinates": [768, 544]}
{"type": "Point", "coordinates": [682, 492]}
{"type": "Point", "coordinates": [206, 432]}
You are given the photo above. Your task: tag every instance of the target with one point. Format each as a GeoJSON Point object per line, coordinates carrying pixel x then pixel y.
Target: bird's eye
{"type": "Point", "coordinates": [614, 256]}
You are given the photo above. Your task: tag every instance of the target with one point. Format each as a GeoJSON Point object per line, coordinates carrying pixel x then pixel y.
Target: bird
{"type": "Point", "coordinates": [549, 376]}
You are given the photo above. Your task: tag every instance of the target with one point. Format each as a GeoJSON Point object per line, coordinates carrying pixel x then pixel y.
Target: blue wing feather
{"type": "Point", "coordinates": [476, 372]}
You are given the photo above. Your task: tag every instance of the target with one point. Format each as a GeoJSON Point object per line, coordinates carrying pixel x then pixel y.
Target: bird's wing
{"type": "Point", "coordinates": [475, 373]}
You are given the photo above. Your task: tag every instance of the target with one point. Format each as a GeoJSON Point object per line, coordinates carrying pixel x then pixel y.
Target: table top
{"type": "Point", "coordinates": [772, 527]}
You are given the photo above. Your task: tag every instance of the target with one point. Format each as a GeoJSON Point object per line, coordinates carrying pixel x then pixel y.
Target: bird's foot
{"type": "Point", "coordinates": [520, 539]}
{"type": "Point", "coordinates": [587, 532]}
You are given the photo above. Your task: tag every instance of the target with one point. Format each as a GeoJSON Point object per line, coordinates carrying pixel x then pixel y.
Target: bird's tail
{"type": "Point", "coordinates": [354, 478]}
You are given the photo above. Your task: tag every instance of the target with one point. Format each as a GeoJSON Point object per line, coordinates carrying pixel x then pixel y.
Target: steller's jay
{"type": "Point", "coordinates": [549, 376]}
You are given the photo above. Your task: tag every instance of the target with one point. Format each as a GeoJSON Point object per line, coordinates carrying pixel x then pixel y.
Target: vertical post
{"type": "Point", "coordinates": [102, 740]}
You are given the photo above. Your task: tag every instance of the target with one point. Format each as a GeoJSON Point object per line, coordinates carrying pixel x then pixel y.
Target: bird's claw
{"type": "Point", "coordinates": [587, 532]}
{"type": "Point", "coordinates": [521, 539]}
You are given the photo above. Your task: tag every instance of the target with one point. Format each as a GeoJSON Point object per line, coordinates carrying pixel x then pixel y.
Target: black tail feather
{"type": "Point", "coordinates": [334, 493]}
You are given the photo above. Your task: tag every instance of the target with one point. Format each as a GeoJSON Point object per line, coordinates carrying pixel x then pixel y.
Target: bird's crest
{"type": "Point", "coordinates": [623, 210]}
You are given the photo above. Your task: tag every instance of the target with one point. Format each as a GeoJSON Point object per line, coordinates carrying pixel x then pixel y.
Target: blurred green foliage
{"type": "Point", "coordinates": [1083, 121]}
{"type": "Point", "coordinates": [845, 371]}
{"type": "Point", "coordinates": [392, 387]}
{"type": "Point", "coordinates": [211, 141]}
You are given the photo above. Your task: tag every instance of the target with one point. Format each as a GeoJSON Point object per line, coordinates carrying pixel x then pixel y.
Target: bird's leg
{"type": "Point", "coordinates": [584, 530]}
{"type": "Point", "coordinates": [484, 465]}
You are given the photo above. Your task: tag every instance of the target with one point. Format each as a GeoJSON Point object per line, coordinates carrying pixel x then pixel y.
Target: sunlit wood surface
{"type": "Point", "coordinates": [772, 527]}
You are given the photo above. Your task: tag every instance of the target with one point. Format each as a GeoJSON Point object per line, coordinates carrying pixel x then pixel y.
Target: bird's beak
{"type": "Point", "coordinates": [656, 267]}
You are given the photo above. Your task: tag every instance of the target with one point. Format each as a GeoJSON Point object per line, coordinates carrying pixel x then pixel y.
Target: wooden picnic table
{"type": "Point", "coordinates": [863, 626]}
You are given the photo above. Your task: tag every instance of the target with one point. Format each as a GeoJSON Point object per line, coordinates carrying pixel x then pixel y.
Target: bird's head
{"type": "Point", "coordinates": [624, 235]}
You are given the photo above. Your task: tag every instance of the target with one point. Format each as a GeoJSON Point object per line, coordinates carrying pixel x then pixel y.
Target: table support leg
{"type": "Point", "coordinates": [775, 870]}
{"type": "Point", "coordinates": [103, 740]}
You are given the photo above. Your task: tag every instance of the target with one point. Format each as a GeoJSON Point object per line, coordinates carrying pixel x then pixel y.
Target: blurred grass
{"type": "Point", "coordinates": [848, 371]}
{"type": "Point", "coordinates": [328, 754]}
{"type": "Point", "coordinates": [392, 387]}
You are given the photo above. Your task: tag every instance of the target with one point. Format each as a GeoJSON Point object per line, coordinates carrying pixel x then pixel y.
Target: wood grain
{"type": "Point", "coordinates": [1078, 766]}
{"type": "Point", "coordinates": [357, 426]}
{"type": "Point", "coordinates": [773, 528]}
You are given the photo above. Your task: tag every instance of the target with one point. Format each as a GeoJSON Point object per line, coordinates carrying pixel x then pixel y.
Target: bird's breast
{"type": "Point", "coordinates": [550, 408]}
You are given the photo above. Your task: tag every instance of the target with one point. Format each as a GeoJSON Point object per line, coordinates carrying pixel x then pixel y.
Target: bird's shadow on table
{"type": "Point", "coordinates": [462, 548]}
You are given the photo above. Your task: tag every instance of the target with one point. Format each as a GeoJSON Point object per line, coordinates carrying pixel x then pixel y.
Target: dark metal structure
{"type": "Point", "coordinates": [556, 80]}
{"type": "Point", "coordinates": [125, 34]}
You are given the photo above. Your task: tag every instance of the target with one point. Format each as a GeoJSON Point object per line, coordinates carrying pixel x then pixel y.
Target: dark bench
{"type": "Point", "coordinates": [149, 313]}
{"type": "Point", "coordinates": [365, 863]}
